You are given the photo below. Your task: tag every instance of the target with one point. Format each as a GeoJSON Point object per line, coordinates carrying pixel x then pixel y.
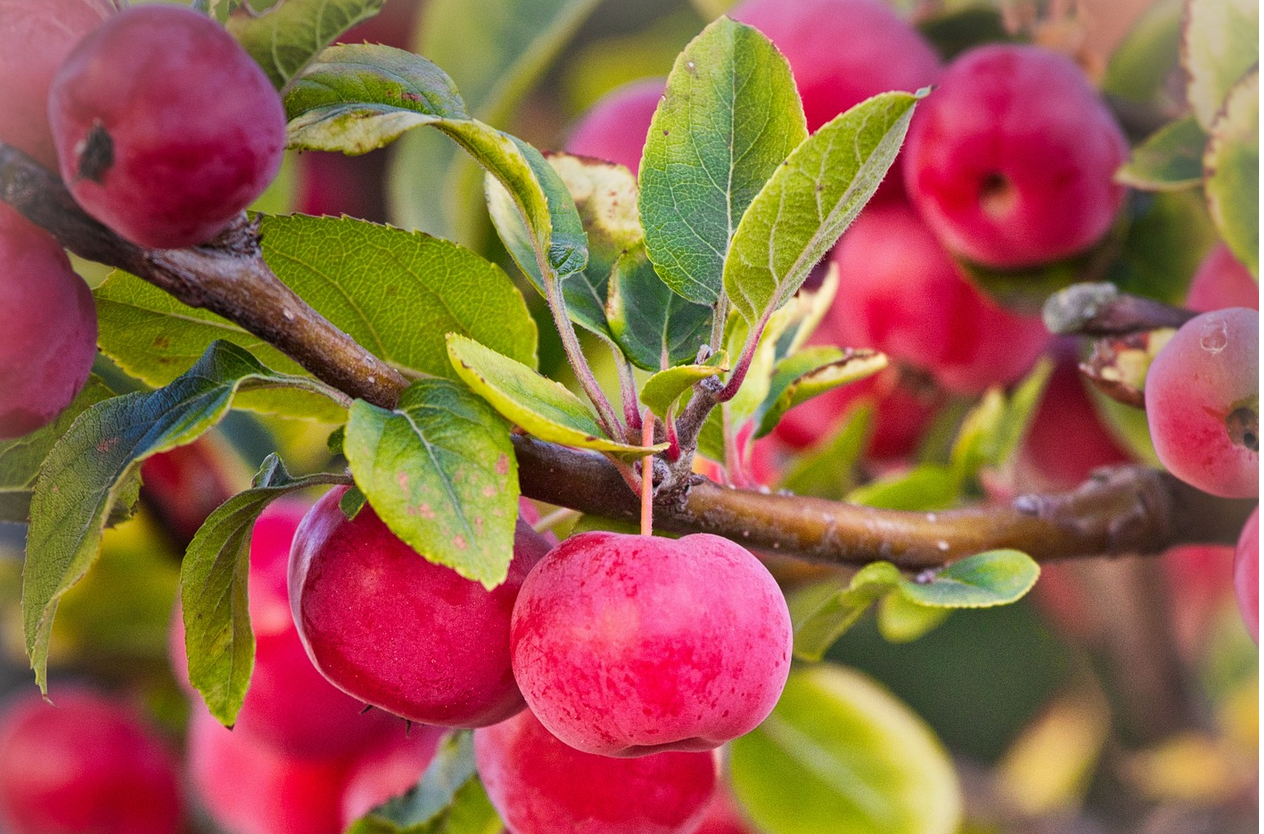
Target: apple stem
{"type": "Point", "coordinates": [647, 476]}
{"type": "Point", "coordinates": [555, 518]}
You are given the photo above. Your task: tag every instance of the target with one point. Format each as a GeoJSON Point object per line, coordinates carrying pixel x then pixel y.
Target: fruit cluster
{"type": "Point", "coordinates": [162, 161]}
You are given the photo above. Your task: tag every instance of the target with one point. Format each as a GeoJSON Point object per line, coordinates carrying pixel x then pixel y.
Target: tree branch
{"type": "Point", "coordinates": [1099, 309]}
{"type": "Point", "coordinates": [1125, 510]}
{"type": "Point", "coordinates": [227, 276]}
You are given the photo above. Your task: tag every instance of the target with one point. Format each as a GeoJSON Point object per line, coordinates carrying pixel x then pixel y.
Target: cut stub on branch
{"type": "Point", "coordinates": [1118, 365]}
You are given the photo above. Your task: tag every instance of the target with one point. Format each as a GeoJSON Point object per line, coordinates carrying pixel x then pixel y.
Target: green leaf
{"type": "Point", "coordinates": [449, 799]}
{"type": "Point", "coordinates": [285, 37]}
{"type": "Point", "coordinates": [1232, 165]}
{"type": "Point", "coordinates": [900, 620]}
{"type": "Point", "coordinates": [801, 212]}
{"type": "Point", "coordinates": [538, 405]}
{"type": "Point", "coordinates": [20, 457]}
{"type": "Point", "coordinates": [440, 471]}
{"type": "Point", "coordinates": [397, 293]}
{"type": "Point", "coordinates": [997, 577]}
{"type": "Point", "coordinates": [1169, 234]}
{"type": "Point", "coordinates": [993, 430]}
{"type": "Point", "coordinates": [1145, 59]}
{"type": "Point", "coordinates": [663, 389]}
{"type": "Point", "coordinates": [653, 326]}
{"type": "Point", "coordinates": [810, 372]}
{"type": "Point", "coordinates": [925, 487]}
{"type": "Point", "coordinates": [729, 116]}
{"type": "Point", "coordinates": [352, 103]}
{"type": "Point", "coordinates": [213, 577]}
{"type": "Point", "coordinates": [495, 50]}
{"type": "Point", "coordinates": [605, 199]}
{"type": "Point", "coordinates": [1219, 44]}
{"type": "Point", "coordinates": [358, 97]}
{"type": "Point", "coordinates": [822, 613]}
{"type": "Point", "coordinates": [98, 457]}
{"type": "Point", "coordinates": [827, 470]}
{"type": "Point", "coordinates": [841, 754]}
{"type": "Point", "coordinates": [1169, 160]}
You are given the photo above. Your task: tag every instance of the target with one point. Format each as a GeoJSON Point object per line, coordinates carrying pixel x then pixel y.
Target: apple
{"type": "Point", "coordinates": [539, 785]}
{"type": "Point", "coordinates": [84, 764]}
{"type": "Point", "coordinates": [1011, 160]}
{"type": "Point", "coordinates": [394, 630]}
{"type": "Point", "coordinates": [614, 128]}
{"type": "Point", "coordinates": [630, 645]}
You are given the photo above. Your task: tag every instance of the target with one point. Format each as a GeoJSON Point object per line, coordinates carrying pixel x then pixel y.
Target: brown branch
{"type": "Point", "coordinates": [1120, 511]}
{"type": "Point", "coordinates": [1128, 509]}
{"type": "Point", "coordinates": [1102, 310]}
{"type": "Point", "coordinates": [228, 276]}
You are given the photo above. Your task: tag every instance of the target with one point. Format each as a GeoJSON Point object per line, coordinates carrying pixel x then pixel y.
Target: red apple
{"type": "Point", "coordinates": [85, 764]}
{"type": "Point", "coordinates": [289, 705]}
{"type": "Point", "coordinates": [539, 785]}
{"type": "Point", "coordinates": [614, 128]}
{"type": "Point", "coordinates": [1011, 160]}
{"type": "Point", "coordinates": [901, 293]}
{"type": "Point", "coordinates": [399, 632]}
{"type": "Point", "coordinates": [251, 788]}
{"type": "Point", "coordinates": [628, 645]}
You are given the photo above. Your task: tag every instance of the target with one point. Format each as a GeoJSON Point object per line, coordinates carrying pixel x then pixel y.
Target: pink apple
{"type": "Point", "coordinates": [1012, 157]}
{"type": "Point", "coordinates": [614, 128]}
{"type": "Point", "coordinates": [901, 293]}
{"type": "Point", "coordinates": [1220, 282]}
{"type": "Point", "coordinates": [251, 788]}
{"type": "Point", "coordinates": [48, 328]}
{"type": "Point", "coordinates": [539, 785]}
{"type": "Point", "coordinates": [388, 770]}
{"type": "Point", "coordinates": [397, 631]}
{"type": "Point", "coordinates": [84, 764]}
{"type": "Point", "coordinates": [289, 705]}
{"type": "Point", "coordinates": [628, 645]}
{"type": "Point", "coordinates": [1246, 574]}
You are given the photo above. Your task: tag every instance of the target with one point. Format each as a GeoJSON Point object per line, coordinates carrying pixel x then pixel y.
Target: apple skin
{"type": "Point", "coordinates": [387, 626]}
{"type": "Point", "coordinates": [159, 158]}
{"type": "Point", "coordinates": [48, 328]}
{"type": "Point", "coordinates": [35, 38]}
{"type": "Point", "coordinates": [539, 785]}
{"type": "Point", "coordinates": [251, 788]}
{"type": "Point", "coordinates": [289, 707]}
{"type": "Point", "coordinates": [1066, 439]}
{"type": "Point", "coordinates": [387, 770]}
{"type": "Point", "coordinates": [615, 127]}
{"type": "Point", "coordinates": [630, 645]}
{"type": "Point", "coordinates": [85, 764]}
{"type": "Point", "coordinates": [1246, 574]}
{"type": "Point", "coordinates": [1220, 282]}
{"type": "Point", "coordinates": [1011, 158]}
{"type": "Point", "coordinates": [901, 293]}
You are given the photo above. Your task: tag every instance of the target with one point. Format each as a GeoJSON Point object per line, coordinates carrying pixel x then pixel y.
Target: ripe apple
{"type": "Point", "coordinates": [540, 785]}
{"type": "Point", "coordinates": [1011, 160]}
{"type": "Point", "coordinates": [629, 645]}
{"type": "Point", "coordinates": [85, 764]}
{"type": "Point", "coordinates": [901, 293]}
{"type": "Point", "coordinates": [252, 788]}
{"type": "Point", "coordinates": [289, 705]}
{"type": "Point", "coordinates": [48, 327]}
{"type": "Point", "coordinates": [614, 128]}
{"type": "Point", "coordinates": [397, 631]}
{"type": "Point", "coordinates": [1246, 574]}
{"type": "Point", "coordinates": [1222, 281]}
{"type": "Point", "coordinates": [388, 770]}
{"type": "Point", "coordinates": [842, 52]}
